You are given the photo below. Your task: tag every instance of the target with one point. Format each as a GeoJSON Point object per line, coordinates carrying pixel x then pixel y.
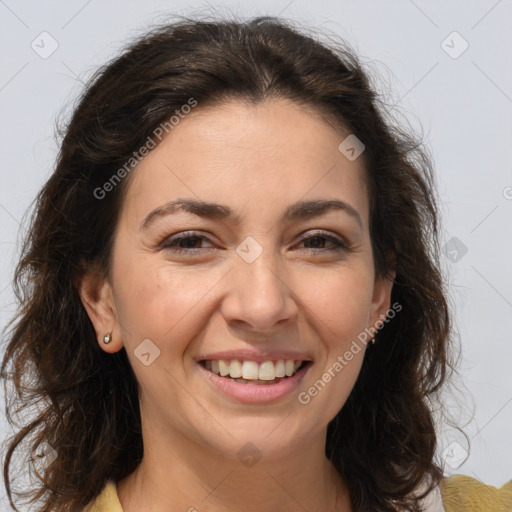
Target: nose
{"type": "Point", "coordinates": [259, 295]}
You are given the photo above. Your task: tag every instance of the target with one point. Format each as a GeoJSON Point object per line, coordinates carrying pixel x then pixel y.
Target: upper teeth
{"type": "Point", "coordinates": [251, 370]}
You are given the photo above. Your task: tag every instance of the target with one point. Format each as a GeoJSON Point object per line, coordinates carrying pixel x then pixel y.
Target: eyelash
{"type": "Point", "coordinates": [169, 242]}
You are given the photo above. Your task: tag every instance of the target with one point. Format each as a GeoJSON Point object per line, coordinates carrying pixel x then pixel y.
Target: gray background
{"type": "Point", "coordinates": [462, 100]}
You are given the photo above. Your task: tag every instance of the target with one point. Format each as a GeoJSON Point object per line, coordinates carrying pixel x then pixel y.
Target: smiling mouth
{"type": "Point", "coordinates": [252, 372]}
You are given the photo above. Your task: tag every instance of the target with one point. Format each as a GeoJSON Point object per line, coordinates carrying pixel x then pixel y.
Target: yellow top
{"type": "Point", "coordinates": [460, 493]}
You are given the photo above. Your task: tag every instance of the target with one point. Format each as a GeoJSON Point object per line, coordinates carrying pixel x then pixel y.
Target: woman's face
{"type": "Point", "coordinates": [247, 279]}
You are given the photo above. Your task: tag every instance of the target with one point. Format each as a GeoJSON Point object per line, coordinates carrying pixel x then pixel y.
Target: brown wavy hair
{"type": "Point", "coordinates": [383, 441]}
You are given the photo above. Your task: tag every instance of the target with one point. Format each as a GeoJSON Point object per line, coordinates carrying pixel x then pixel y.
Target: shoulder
{"type": "Point", "coordinates": [457, 493]}
{"type": "Point", "coordinates": [462, 493]}
{"type": "Point", "coordinates": [107, 500]}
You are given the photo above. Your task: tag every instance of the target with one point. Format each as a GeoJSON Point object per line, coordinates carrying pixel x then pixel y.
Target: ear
{"type": "Point", "coordinates": [381, 300]}
{"type": "Point", "coordinates": [98, 300]}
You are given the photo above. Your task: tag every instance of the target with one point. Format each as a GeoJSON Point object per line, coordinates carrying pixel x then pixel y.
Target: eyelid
{"type": "Point", "coordinates": [341, 243]}
{"type": "Point", "coordinates": [312, 233]}
{"type": "Point", "coordinates": [168, 240]}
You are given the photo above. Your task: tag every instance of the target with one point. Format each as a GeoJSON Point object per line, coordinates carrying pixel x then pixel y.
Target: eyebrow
{"type": "Point", "coordinates": [298, 211]}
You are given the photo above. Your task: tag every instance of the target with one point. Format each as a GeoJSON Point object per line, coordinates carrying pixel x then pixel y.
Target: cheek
{"type": "Point", "coordinates": [156, 302]}
{"type": "Point", "coordinates": [341, 303]}
{"type": "Point", "coordinates": [340, 300]}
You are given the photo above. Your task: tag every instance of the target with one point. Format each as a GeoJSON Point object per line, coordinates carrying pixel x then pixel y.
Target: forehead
{"type": "Point", "coordinates": [249, 156]}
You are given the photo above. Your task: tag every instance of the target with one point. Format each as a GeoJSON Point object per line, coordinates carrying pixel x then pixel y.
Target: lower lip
{"type": "Point", "coordinates": [254, 393]}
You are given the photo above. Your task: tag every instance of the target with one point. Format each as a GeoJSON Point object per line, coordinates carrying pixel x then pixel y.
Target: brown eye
{"type": "Point", "coordinates": [320, 240]}
{"type": "Point", "coordinates": [184, 242]}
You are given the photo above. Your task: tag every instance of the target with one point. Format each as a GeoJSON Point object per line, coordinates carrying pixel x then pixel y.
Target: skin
{"type": "Point", "coordinates": [297, 295]}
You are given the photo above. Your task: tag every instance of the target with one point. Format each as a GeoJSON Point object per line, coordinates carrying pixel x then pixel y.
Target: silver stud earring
{"type": "Point", "coordinates": [107, 338]}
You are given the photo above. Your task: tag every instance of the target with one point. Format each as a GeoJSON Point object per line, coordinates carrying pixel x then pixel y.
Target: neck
{"type": "Point", "coordinates": [192, 477]}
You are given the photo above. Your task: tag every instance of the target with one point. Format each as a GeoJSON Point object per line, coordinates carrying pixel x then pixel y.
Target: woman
{"type": "Point", "coordinates": [230, 292]}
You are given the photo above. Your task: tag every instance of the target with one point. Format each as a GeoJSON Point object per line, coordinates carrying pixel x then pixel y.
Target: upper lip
{"type": "Point", "coordinates": [259, 357]}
